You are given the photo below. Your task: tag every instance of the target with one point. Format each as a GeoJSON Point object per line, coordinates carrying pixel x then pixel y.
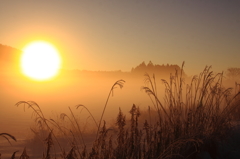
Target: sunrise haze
{"type": "Point", "coordinates": [119, 79]}
{"type": "Point", "coordinates": [118, 35]}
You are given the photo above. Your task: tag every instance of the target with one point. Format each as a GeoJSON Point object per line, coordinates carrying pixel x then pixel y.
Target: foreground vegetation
{"type": "Point", "coordinates": [192, 118]}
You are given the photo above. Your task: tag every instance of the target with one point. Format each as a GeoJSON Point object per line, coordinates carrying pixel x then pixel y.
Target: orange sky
{"type": "Point", "coordinates": [118, 35]}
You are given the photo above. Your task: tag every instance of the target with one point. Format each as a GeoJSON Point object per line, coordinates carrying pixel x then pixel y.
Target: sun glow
{"type": "Point", "coordinates": [40, 61]}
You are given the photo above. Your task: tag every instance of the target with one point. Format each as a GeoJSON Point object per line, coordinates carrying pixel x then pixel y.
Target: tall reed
{"type": "Point", "coordinates": [199, 115]}
{"type": "Point", "coordinates": [189, 118]}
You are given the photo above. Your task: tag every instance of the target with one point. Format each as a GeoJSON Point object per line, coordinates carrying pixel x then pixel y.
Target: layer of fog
{"type": "Point", "coordinates": [69, 89]}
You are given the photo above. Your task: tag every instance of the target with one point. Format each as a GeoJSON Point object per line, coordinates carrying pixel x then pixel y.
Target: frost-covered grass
{"type": "Point", "coordinates": [191, 118]}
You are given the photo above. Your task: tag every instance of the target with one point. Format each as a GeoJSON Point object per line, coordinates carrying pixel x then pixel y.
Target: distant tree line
{"type": "Point", "coordinates": [156, 68]}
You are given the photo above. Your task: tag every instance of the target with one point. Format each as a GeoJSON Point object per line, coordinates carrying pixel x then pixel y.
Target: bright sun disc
{"type": "Point", "coordinates": [40, 61]}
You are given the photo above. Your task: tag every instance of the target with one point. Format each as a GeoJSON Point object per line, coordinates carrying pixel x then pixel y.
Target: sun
{"type": "Point", "coordinates": [40, 61]}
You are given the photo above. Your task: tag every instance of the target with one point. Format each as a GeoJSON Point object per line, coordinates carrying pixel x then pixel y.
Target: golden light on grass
{"type": "Point", "coordinates": [40, 61]}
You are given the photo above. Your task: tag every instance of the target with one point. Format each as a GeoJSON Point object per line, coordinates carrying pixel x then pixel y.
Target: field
{"type": "Point", "coordinates": [192, 121]}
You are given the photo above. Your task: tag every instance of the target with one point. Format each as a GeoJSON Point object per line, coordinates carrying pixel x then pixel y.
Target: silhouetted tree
{"type": "Point", "coordinates": [140, 68]}
{"type": "Point", "coordinates": [150, 64]}
{"type": "Point", "coordinates": [142, 64]}
{"type": "Point", "coordinates": [233, 73]}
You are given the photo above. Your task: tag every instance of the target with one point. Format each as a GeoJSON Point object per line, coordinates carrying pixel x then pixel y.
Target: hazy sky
{"type": "Point", "coordinates": [120, 34]}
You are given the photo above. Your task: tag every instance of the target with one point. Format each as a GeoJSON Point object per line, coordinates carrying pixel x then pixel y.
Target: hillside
{"type": "Point", "coordinates": [8, 53]}
{"type": "Point", "coordinates": [9, 58]}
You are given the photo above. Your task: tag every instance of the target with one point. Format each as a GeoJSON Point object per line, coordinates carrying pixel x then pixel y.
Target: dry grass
{"type": "Point", "coordinates": [190, 118]}
{"type": "Point", "coordinates": [7, 136]}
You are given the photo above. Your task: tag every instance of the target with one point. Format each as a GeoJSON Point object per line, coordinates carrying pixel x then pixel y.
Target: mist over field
{"type": "Point", "coordinates": [119, 79]}
{"type": "Point", "coordinates": [79, 87]}
{"type": "Point", "coordinates": [68, 89]}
